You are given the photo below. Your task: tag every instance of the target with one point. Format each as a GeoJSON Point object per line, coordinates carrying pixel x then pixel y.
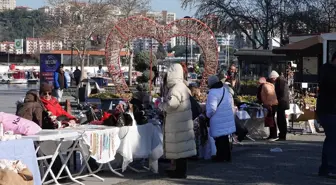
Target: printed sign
{"type": "Point", "coordinates": [48, 65]}
{"type": "Point", "coordinates": [18, 43]}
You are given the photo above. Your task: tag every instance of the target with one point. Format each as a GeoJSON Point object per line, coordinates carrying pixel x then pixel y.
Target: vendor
{"type": "Point", "coordinates": [51, 104]}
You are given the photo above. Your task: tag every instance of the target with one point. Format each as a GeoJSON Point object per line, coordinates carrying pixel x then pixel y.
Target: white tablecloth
{"type": "Point", "coordinates": [137, 141]}
{"type": "Point", "coordinates": [141, 141]}
{"type": "Point", "coordinates": [294, 109]}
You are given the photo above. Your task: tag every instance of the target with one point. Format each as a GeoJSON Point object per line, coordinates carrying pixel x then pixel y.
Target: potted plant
{"type": "Point", "coordinates": [110, 100]}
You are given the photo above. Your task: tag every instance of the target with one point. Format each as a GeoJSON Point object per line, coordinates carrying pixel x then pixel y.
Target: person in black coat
{"type": "Point", "coordinates": [326, 113]}
{"type": "Point", "coordinates": [282, 92]}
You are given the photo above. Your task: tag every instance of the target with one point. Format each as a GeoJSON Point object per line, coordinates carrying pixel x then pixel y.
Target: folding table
{"type": "Point", "coordinates": [58, 138]}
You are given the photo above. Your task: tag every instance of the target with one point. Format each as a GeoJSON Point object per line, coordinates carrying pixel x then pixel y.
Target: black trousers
{"type": "Point", "coordinates": [77, 81]}
{"type": "Point", "coordinates": [181, 166]}
{"type": "Point", "coordinates": [273, 130]}
{"type": "Point", "coordinates": [282, 123]}
{"type": "Point", "coordinates": [223, 149]}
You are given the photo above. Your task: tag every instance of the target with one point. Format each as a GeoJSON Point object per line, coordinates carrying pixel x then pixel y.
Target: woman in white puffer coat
{"type": "Point", "coordinates": [179, 143]}
{"type": "Point", "coordinates": [219, 109]}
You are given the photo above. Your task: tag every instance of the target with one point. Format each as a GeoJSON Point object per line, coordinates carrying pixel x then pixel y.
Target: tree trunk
{"type": "Point", "coordinates": [130, 71]}
{"type": "Point", "coordinates": [83, 75]}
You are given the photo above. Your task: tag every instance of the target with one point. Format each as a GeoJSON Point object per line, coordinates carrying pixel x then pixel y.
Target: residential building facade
{"type": "Point", "coordinates": [7, 5]}
{"type": "Point", "coordinates": [39, 45]}
{"type": "Point", "coordinates": [163, 18]}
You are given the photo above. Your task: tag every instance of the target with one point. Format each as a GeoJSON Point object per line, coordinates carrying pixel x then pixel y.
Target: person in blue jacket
{"type": "Point", "coordinates": [60, 82]}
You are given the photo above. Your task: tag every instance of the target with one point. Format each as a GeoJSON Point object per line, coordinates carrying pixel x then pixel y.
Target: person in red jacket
{"type": "Point", "coordinates": [51, 104]}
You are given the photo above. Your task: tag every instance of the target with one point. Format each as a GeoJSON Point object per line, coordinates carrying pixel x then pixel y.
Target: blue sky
{"type": "Point", "coordinates": [157, 5]}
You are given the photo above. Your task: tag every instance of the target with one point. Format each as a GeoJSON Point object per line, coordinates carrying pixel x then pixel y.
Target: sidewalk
{"type": "Point", "coordinates": [252, 163]}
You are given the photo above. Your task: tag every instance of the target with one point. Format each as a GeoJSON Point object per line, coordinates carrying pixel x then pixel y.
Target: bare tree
{"type": "Point", "coordinates": [257, 19]}
{"type": "Point", "coordinates": [129, 8]}
{"type": "Point", "coordinates": [75, 23]}
{"type": "Point", "coordinates": [327, 12]}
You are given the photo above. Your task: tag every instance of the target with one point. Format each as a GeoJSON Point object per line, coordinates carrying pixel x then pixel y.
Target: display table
{"type": "Point", "coordinates": [141, 141]}
{"type": "Point", "coordinates": [253, 121]}
{"type": "Point", "coordinates": [137, 141]}
{"type": "Point", "coordinates": [99, 142]}
{"type": "Point", "coordinates": [55, 139]}
{"type": "Point", "coordinates": [293, 113]}
{"type": "Point", "coordinates": [23, 150]}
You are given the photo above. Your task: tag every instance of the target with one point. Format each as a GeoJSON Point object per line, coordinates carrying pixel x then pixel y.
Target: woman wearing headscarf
{"type": "Point", "coordinates": [179, 143]}
{"type": "Point", "coordinates": [219, 109]}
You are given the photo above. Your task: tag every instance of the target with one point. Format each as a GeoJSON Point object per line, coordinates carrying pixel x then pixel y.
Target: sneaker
{"type": "Point", "coordinates": [282, 139]}
{"type": "Point", "coordinates": [273, 139]}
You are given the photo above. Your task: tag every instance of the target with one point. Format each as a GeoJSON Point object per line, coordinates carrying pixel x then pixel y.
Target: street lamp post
{"type": "Point", "coordinates": [71, 59]}
{"type": "Point", "coordinates": [71, 44]}
{"type": "Point", "coordinates": [8, 48]}
{"type": "Point", "coordinates": [187, 42]}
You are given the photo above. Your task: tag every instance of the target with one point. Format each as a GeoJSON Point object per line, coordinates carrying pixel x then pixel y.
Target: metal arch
{"type": "Point", "coordinates": [139, 26]}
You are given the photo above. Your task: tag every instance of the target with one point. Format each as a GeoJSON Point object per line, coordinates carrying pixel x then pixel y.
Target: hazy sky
{"type": "Point", "coordinates": [157, 5]}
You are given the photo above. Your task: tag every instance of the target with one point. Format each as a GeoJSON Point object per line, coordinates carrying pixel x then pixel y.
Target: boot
{"type": "Point", "coordinates": [181, 170]}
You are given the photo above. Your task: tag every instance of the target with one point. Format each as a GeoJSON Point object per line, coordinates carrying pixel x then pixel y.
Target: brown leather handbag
{"type": "Point", "coordinates": [8, 177]}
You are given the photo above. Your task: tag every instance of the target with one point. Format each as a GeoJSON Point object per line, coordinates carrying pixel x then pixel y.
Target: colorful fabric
{"type": "Point", "coordinates": [102, 144]}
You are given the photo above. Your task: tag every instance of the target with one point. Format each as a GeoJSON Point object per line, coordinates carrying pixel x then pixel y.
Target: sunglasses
{"type": "Point", "coordinates": [46, 93]}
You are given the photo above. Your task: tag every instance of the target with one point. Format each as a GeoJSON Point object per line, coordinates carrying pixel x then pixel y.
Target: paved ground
{"type": "Point", "coordinates": [253, 164]}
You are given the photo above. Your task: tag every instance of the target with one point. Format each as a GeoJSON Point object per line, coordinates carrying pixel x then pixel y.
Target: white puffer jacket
{"type": "Point", "coordinates": [179, 127]}
{"type": "Point", "coordinates": [222, 121]}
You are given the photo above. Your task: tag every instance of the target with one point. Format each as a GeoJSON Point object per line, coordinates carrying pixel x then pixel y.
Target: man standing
{"type": "Point", "coordinates": [326, 112]}
{"type": "Point", "coordinates": [282, 93]}
{"type": "Point", "coordinates": [60, 82]}
{"type": "Point", "coordinates": [77, 75]}
{"type": "Point", "coordinates": [232, 75]}
{"type": "Point", "coordinates": [100, 71]}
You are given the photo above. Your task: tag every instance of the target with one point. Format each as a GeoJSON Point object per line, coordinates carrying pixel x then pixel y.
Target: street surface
{"type": "Point", "coordinates": [253, 164]}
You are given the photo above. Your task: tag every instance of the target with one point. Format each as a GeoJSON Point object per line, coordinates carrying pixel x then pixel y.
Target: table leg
{"type": "Point", "coordinates": [114, 171]}
{"type": "Point", "coordinates": [53, 158]}
{"type": "Point", "coordinates": [248, 136]}
{"type": "Point", "coordinates": [74, 148]}
{"type": "Point", "coordinates": [65, 166]}
{"type": "Point", "coordinates": [86, 164]}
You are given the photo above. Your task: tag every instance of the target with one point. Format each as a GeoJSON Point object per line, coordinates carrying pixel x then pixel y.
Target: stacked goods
{"type": "Point", "coordinates": [201, 98]}
{"type": "Point", "coordinates": [249, 87]}
{"type": "Point", "coordinates": [109, 95]}
{"type": "Point", "coordinates": [247, 98]}
{"type": "Point", "coordinates": [310, 101]}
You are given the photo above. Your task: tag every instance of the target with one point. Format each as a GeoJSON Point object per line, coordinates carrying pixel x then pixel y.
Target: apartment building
{"type": "Point", "coordinates": [162, 17]}
{"type": "Point", "coordinates": [7, 5]}
{"type": "Point", "coordinates": [39, 45]}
